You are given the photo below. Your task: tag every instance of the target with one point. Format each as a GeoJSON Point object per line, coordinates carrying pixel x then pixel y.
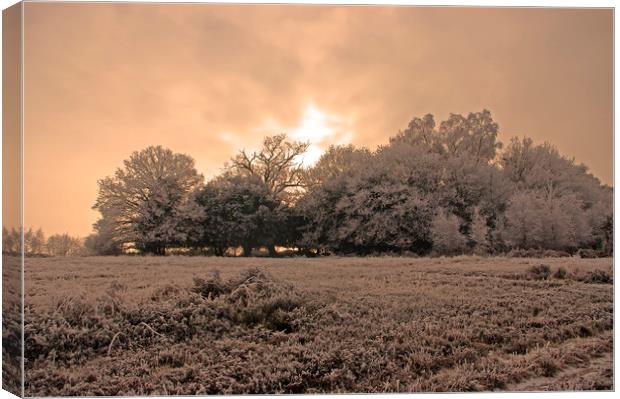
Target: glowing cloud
{"type": "Point", "coordinates": [319, 130]}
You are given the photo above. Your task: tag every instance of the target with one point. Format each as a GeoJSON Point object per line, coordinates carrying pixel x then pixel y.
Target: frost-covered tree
{"type": "Point", "coordinates": [541, 167]}
{"type": "Point", "coordinates": [474, 136]}
{"type": "Point", "coordinates": [277, 164]}
{"type": "Point", "coordinates": [365, 212]}
{"type": "Point", "coordinates": [446, 234]}
{"type": "Point", "coordinates": [10, 240]}
{"type": "Point", "coordinates": [479, 234]}
{"type": "Point", "coordinates": [143, 199]}
{"type": "Point", "coordinates": [104, 240]}
{"type": "Point", "coordinates": [64, 245]}
{"type": "Point", "coordinates": [34, 241]}
{"type": "Point", "coordinates": [240, 211]}
{"type": "Point", "coordinates": [382, 216]}
{"type": "Point", "coordinates": [537, 218]}
{"type": "Point", "coordinates": [421, 133]}
{"type": "Point", "coordinates": [524, 220]}
{"type": "Point", "coordinates": [336, 161]}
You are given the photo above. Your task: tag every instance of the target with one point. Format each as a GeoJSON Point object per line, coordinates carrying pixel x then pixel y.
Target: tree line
{"type": "Point", "coordinates": [448, 188]}
{"type": "Point", "coordinates": [35, 243]}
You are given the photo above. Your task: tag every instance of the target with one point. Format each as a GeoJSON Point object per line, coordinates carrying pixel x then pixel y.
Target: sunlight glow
{"type": "Point", "coordinates": [315, 128]}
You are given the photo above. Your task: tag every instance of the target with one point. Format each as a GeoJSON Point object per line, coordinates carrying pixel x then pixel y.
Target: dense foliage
{"type": "Point", "coordinates": [450, 188]}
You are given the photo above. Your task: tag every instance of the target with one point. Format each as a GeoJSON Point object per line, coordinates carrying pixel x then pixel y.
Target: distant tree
{"type": "Point", "coordinates": [524, 220]}
{"type": "Point", "coordinates": [518, 159]}
{"type": "Point", "coordinates": [542, 167]}
{"type": "Point", "coordinates": [34, 241]}
{"type": "Point", "coordinates": [277, 164]}
{"type": "Point", "coordinates": [479, 234]}
{"type": "Point", "coordinates": [11, 241]}
{"type": "Point", "coordinates": [64, 245]}
{"type": "Point", "coordinates": [38, 241]}
{"type": "Point", "coordinates": [420, 132]}
{"type": "Point", "coordinates": [542, 219]}
{"type": "Point", "coordinates": [7, 240]}
{"type": "Point", "coordinates": [565, 225]}
{"type": "Point", "coordinates": [558, 232]}
{"type": "Point", "coordinates": [446, 235]}
{"type": "Point", "coordinates": [142, 200]}
{"type": "Point", "coordinates": [409, 164]}
{"type": "Point", "coordinates": [452, 164]}
{"type": "Point", "coordinates": [607, 235]}
{"type": "Point", "coordinates": [103, 241]}
{"type": "Point", "coordinates": [28, 234]}
{"type": "Point", "coordinates": [600, 218]}
{"type": "Point", "coordinates": [336, 160]}
{"type": "Point", "coordinates": [474, 137]}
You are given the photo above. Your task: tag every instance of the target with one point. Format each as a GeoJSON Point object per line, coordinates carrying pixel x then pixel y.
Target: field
{"type": "Point", "coordinates": [191, 325]}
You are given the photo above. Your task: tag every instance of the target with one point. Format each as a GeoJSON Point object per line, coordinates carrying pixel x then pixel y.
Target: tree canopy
{"type": "Point", "coordinates": [143, 202]}
{"type": "Point", "coordinates": [446, 188]}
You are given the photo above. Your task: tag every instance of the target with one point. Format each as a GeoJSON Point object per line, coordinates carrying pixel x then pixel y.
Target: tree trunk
{"type": "Point", "coordinates": [272, 250]}
{"type": "Point", "coordinates": [247, 251]}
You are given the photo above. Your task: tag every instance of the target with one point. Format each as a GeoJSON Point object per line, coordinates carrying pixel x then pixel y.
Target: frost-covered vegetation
{"type": "Point", "coordinates": [444, 189]}
{"type": "Point", "coordinates": [36, 244]}
{"type": "Point", "coordinates": [196, 325]}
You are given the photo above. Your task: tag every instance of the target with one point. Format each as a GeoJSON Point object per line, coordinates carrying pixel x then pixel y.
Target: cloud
{"type": "Point", "coordinates": [103, 80]}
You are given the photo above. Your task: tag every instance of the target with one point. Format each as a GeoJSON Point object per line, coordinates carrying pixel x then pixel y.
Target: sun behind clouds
{"type": "Point", "coordinates": [320, 130]}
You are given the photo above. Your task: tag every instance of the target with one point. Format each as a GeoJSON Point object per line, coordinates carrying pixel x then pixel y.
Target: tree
{"type": "Point", "coordinates": [64, 245]}
{"type": "Point", "coordinates": [337, 160]}
{"type": "Point", "coordinates": [474, 137]}
{"type": "Point", "coordinates": [7, 240]}
{"type": "Point", "coordinates": [479, 234]}
{"type": "Point", "coordinates": [420, 132]}
{"type": "Point", "coordinates": [600, 218]}
{"type": "Point", "coordinates": [542, 167]}
{"type": "Point", "coordinates": [239, 211]}
{"type": "Point", "coordinates": [276, 164]}
{"type": "Point", "coordinates": [446, 235]}
{"type": "Point", "coordinates": [383, 217]}
{"type": "Point", "coordinates": [142, 200]}
{"type": "Point", "coordinates": [11, 241]}
{"type": "Point", "coordinates": [365, 211]}
{"type": "Point", "coordinates": [34, 241]}
{"type": "Point", "coordinates": [317, 222]}
{"type": "Point", "coordinates": [103, 241]}
{"type": "Point", "coordinates": [524, 220]}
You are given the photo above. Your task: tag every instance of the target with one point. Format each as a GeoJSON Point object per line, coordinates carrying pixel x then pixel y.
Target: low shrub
{"type": "Point", "coordinates": [586, 253]}
{"type": "Point", "coordinates": [539, 272]}
{"type": "Point", "coordinates": [598, 276]}
{"type": "Point", "coordinates": [546, 366]}
{"type": "Point", "coordinates": [560, 273]}
{"type": "Point", "coordinates": [550, 253]}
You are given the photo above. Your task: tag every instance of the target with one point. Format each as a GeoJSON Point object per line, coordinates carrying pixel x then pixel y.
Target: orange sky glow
{"type": "Point", "coordinates": [104, 79]}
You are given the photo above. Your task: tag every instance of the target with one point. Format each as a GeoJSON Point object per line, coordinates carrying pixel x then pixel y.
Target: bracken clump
{"type": "Point", "coordinates": [539, 272]}
{"type": "Point", "coordinates": [597, 276]}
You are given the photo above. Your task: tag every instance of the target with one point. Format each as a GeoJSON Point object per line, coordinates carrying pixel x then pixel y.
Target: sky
{"type": "Point", "coordinates": [103, 80]}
